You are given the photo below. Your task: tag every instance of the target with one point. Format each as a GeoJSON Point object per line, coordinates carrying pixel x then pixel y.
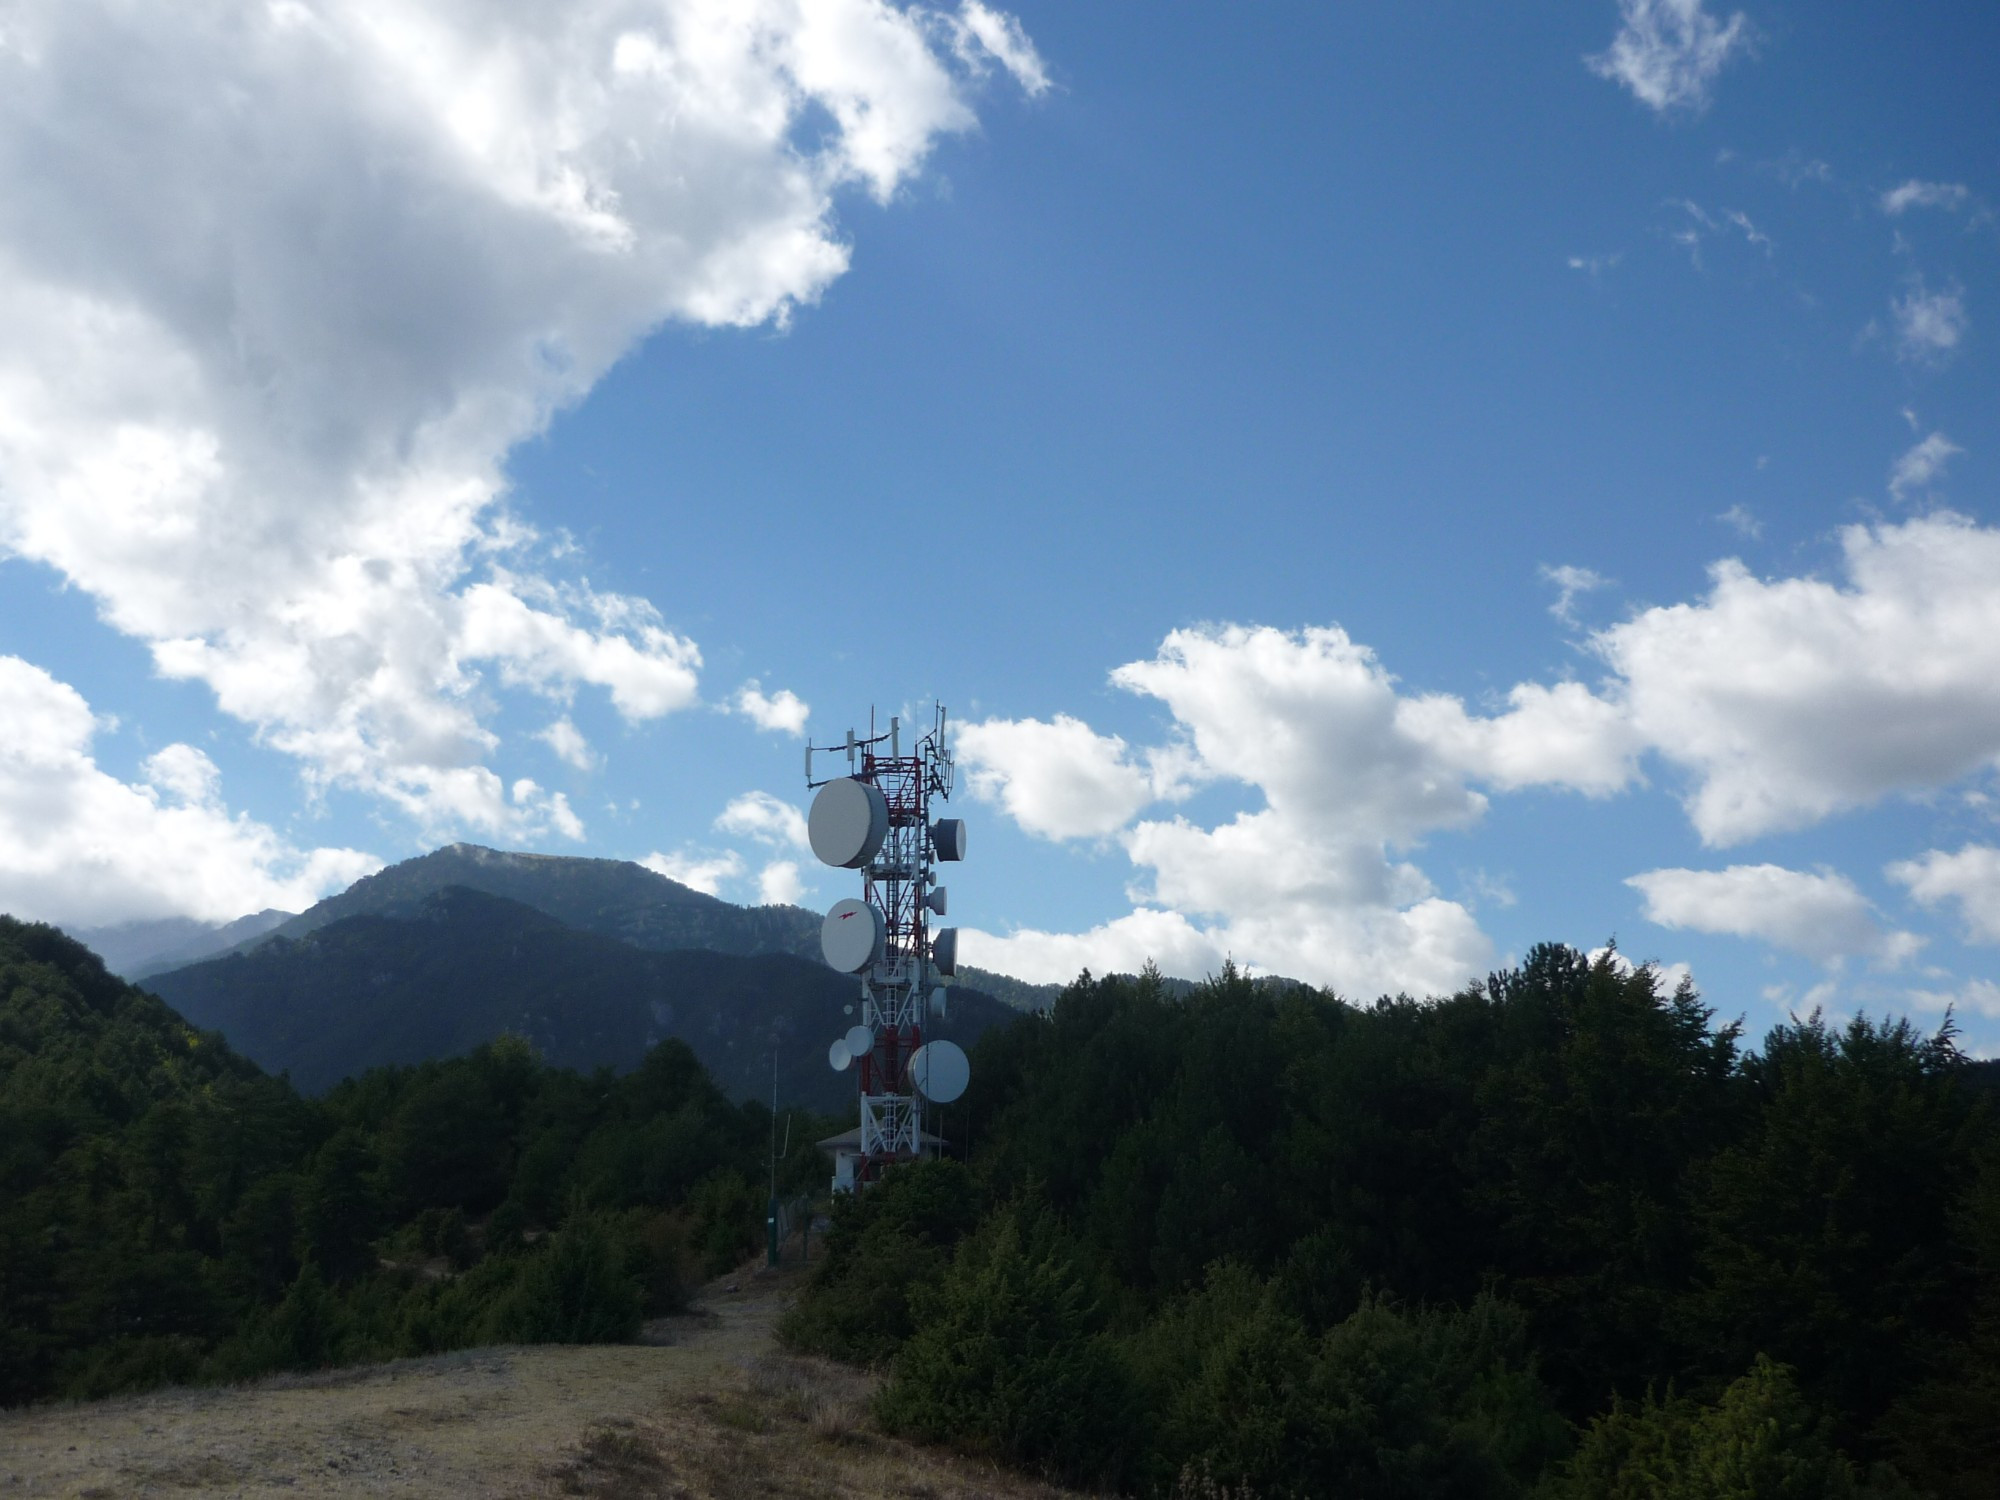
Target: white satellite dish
{"type": "Point", "coordinates": [851, 936]}
{"type": "Point", "coordinates": [947, 835]}
{"type": "Point", "coordinates": [941, 1071]}
{"type": "Point", "coordinates": [940, 1001]}
{"type": "Point", "coordinates": [944, 950]}
{"type": "Point", "coordinates": [848, 821]}
{"type": "Point", "coordinates": [859, 1041]}
{"type": "Point", "coordinates": [838, 1057]}
{"type": "Point", "coordinates": [936, 901]}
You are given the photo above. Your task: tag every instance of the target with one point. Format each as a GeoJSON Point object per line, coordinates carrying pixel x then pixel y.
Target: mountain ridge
{"type": "Point", "coordinates": [612, 897]}
{"type": "Point", "coordinates": [463, 966]}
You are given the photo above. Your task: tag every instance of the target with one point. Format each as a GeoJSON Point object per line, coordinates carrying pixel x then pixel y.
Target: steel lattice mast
{"type": "Point", "coordinates": [876, 820]}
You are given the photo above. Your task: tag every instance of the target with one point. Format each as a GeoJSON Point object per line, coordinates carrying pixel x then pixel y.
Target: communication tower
{"type": "Point", "coordinates": [876, 820]}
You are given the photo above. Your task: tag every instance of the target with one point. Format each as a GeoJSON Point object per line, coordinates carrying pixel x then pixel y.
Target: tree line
{"type": "Point", "coordinates": [1560, 1235]}
{"type": "Point", "coordinates": [168, 1212]}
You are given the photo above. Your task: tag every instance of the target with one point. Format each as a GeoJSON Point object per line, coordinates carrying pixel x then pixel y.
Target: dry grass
{"type": "Point", "coordinates": [707, 1409]}
{"type": "Point", "coordinates": [784, 1426]}
{"type": "Point", "coordinates": [831, 1400]}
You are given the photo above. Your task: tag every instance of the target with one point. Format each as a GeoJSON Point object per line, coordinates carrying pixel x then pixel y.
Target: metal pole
{"type": "Point", "coordinates": [771, 1218]}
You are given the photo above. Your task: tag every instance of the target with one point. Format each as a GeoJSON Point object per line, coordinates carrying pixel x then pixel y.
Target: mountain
{"type": "Point", "coordinates": [133, 950]}
{"type": "Point", "coordinates": [458, 966]}
{"type": "Point", "coordinates": [612, 897]}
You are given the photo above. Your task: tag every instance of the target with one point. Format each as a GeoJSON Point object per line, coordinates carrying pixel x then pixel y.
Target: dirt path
{"type": "Point", "coordinates": [707, 1408]}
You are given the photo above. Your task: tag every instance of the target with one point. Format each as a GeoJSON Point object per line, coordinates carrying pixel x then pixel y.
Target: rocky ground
{"type": "Point", "coordinates": [707, 1406]}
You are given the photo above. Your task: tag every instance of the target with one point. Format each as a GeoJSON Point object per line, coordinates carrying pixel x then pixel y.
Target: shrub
{"type": "Point", "coordinates": [1760, 1441]}
{"type": "Point", "coordinates": [882, 1243]}
{"type": "Point", "coordinates": [577, 1291]}
{"type": "Point", "coordinates": [1008, 1359]}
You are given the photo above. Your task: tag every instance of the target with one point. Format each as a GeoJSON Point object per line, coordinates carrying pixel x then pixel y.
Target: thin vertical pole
{"type": "Point", "coordinates": [771, 1218]}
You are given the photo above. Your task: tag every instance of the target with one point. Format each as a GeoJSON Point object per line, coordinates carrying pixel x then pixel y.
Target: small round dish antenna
{"type": "Point", "coordinates": [848, 821]}
{"type": "Point", "coordinates": [941, 1071]}
{"type": "Point", "coordinates": [859, 1041]}
{"type": "Point", "coordinates": [944, 951]}
{"type": "Point", "coordinates": [940, 1002]}
{"type": "Point", "coordinates": [851, 936]}
{"type": "Point", "coordinates": [947, 836]}
{"type": "Point", "coordinates": [838, 1057]}
{"type": "Point", "coordinates": [937, 901]}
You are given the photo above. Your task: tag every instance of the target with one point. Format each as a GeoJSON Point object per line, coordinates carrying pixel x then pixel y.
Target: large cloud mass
{"type": "Point", "coordinates": [284, 280]}
{"type": "Point", "coordinates": [1350, 771]}
{"type": "Point", "coordinates": [1780, 701]}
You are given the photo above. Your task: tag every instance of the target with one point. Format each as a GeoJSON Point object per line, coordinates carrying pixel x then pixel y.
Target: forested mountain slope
{"type": "Point", "coordinates": [613, 897]}
{"type": "Point", "coordinates": [169, 1212]}
{"type": "Point", "coordinates": [457, 967]}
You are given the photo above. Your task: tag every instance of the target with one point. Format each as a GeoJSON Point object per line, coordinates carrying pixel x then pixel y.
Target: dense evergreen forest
{"type": "Point", "coordinates": [1560, 1234]}
{"type": "Point", "coordinates": [170, 1212]}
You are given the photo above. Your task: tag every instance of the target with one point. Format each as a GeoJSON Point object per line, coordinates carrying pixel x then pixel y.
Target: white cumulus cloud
{"type": "Point", "coordinates": [1350, 772]}
{"type": "Point", "coordinates": [782, 712]}
{"type": "Point", "coordinates": [283, 284]}
{"type": "Point", "coordinates": [85, 848]}
{"type": "Point", "coordinates": [1980, 996]}
{"type": "Point", "coordinates": [1784, 701]}
{"type": "Point", "coordinates": [1969, 879]}
{"type": "Point", "coordinates": [1123, 946]}
{"type": "Point", "coordinates": [1820, 915]}
{"type": "Point", "coordinates": [1061, 779]}
{"type": "Point", "coordinates": [778, 883]}
{"type": "Point", "coordinates": [1792, 699]}
{"type": "Point", "coordinates": [567, 741]}
{"type": "Point", "coordinates": [763, 817]}
{"type": "Point", "coordinates": [703, 870]}
{"type": "Point", "coordinates": [1669, 52]}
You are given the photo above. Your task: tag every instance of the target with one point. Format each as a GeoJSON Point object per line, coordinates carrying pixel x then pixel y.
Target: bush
{"type": "Point", "coordinates": [729, 1221]}
{"type": "Point", "coordinates": [577, 1291]}
{"type": "Point", "coordinates": [1759, 1442]}
{"type": "Point", "coordinates": [882, 1243]}
{"type": "Point", "coordinates": [1008, 1359]}
{"type": "Point", "coordinates": [1385, 1403]}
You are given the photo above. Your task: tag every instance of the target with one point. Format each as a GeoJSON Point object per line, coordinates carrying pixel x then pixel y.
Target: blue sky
{"type": "Point", "coordinates": [1381, 486]}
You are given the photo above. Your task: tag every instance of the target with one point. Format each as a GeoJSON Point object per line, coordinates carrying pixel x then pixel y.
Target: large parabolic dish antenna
{"type": "Point", "coordinates": [859, 1041]}
{"type": "Point", "coordinates": [848, 822]}
{"type": "Point", "coordinates": [851, 936]}
{"type": "Point", "coordinates": [838, 1057]}
{"type": "Point", "coordinates": [944, 951]}
{"type": "Point", "coordinates": [940, 1071]}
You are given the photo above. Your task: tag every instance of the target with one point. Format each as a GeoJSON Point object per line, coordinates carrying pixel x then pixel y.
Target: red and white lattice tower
{"type": "Point", "coordinates": [876, 820]}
